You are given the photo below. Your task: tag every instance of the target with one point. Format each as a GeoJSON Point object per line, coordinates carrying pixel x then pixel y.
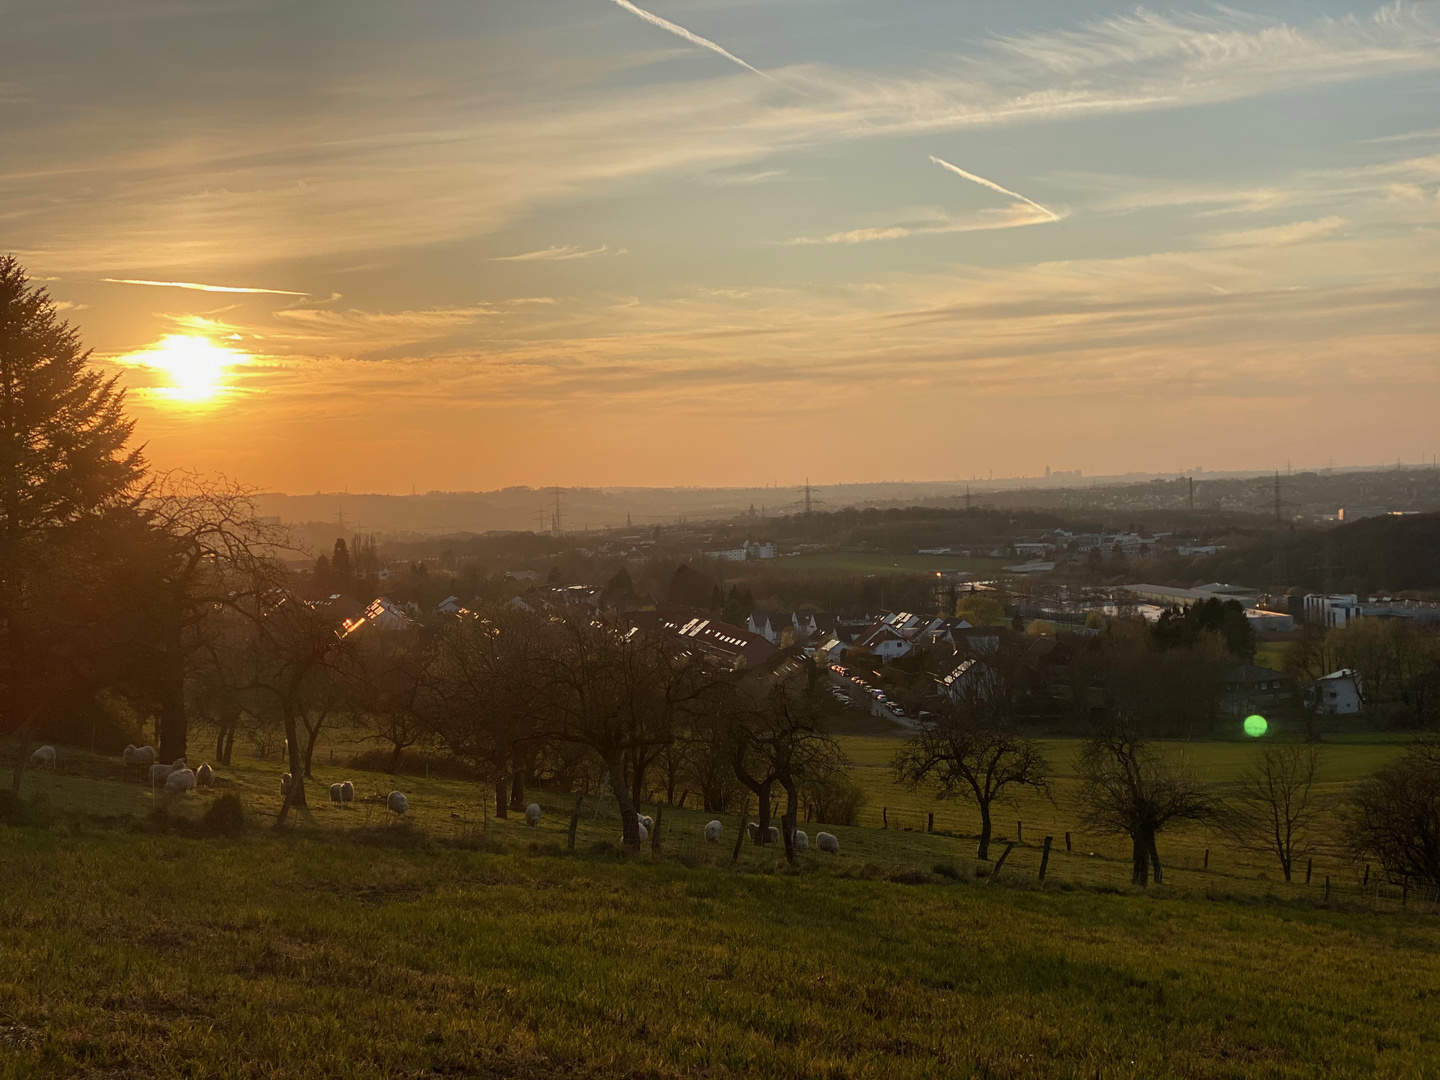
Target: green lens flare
{"type": "Point", "coordinates": [1255, 726]}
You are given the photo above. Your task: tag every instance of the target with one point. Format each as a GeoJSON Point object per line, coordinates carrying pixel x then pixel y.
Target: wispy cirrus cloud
{"type": "Point", "coordinates": [559, 253]}
{"type": "Point", "coordinates": [1294, 232]}
{"type": "Point", "coordinates": [198, 287]}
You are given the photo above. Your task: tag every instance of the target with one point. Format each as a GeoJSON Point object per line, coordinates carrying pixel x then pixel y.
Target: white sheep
{"type": "Point", "coordinates": [800, 841]}
{"type": "Point", "coordinates": [284, 785]}
{"type": "Point", "coordinates": [44, 755]}
{"type": "Point", "coordinates": [335, 794]}
{"type": "Point", "coordinates": [532, 815]}
{"type": "Point", "coordinates": [179, 763]}
{"type": "Point", "coordinates": [138, 755]}
{"type": "Point", "coordinates": [160, 773]}
{"type": "Point", "coordinates": [774, 835]}
{"type": "Point", "coordinates": [347, 792]}
{"type": "Point", "coordinates": [179, 781]}
{"type": "Point", "coordinates": [204, 775]}
{"type": "Point", "coordinates": [827, 843]}
{"type": "Point", "coordinates": [713, 830]}
{"type": "Point", "coordinates": [752, 830]}
{"type": "Point", "coordinates": [647, 821]}
{"type": "Point", "coordinates": [396, 803]}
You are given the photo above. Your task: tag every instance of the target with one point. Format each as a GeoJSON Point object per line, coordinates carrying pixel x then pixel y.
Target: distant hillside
{"type": "Point", "coordinates": [1375, 556]}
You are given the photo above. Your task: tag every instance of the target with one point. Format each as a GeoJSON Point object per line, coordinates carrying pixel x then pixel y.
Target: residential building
{"type": "Point", "coordinates": [1250, 688]}
{"type": "Point", "coordinates": [1336, 694]}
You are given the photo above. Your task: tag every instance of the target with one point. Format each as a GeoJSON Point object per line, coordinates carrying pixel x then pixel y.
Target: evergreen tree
{"type": "Point", "coordinates": [64, 469]}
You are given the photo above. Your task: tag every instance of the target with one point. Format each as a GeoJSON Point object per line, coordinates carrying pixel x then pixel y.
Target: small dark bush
{"type": "Point", "coordinates": [225, 817]}
{"type": "Point", "coordinates": [12, 810]}
{"type": "Point", "coordinates": [947, 871]}
{"type": "Point", "coordinates": [910, 875]}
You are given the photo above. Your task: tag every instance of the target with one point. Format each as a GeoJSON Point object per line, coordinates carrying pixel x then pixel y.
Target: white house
{"type": "Point", "coordinates": [1336, 694]}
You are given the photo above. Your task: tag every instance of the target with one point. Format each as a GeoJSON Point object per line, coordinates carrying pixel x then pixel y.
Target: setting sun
{"type": "Point", "coordinates": [194, 367]}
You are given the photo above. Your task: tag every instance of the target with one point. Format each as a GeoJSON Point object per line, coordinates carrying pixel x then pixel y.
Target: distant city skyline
{"type": "Point", "coordinates": [456, 246]}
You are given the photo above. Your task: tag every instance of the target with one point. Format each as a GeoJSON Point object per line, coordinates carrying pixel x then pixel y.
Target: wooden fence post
{"type": "Point", "coordinates": [1019, 832]}
{"type": "Point", "coordinates": [1327, 888]}
{"type": "Point", "coordinates": [1207, 860]}
{"type": "Point", "coordinates": [1367, 876]}
{"type": "Point", "coordinates": [740, 831]}
{"type": "Point", "coordinates": [930, 822]}
{"type": "Point", "coordinates": [575, 819]}
{"type": "Point", "coordinates": [1045, 857]}
{"type": "Point", "coordinates": [884, 817]}
{"type": "Point", "coordinates": [655, 832]}
{"type": "Point", "coordinates": [1309, 866]}
{"type": "Point", "coordinates": [1001, 861]}
{"type": "Point", "coordinates": [1067, 841]}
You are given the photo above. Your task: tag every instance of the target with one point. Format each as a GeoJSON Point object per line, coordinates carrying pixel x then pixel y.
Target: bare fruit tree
{"type": "Point", "coordinates": [965, 756]}
{"type": "Point", "coordinates": [1129, 789]}
{"type": "Point", "coordinates": [1276, 806]}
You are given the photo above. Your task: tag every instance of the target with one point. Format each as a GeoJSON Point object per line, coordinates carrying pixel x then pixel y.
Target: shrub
{"type": "Point", "coordinates": [224, 817]}
{"type": "Point", "coordinates": [833, 799]}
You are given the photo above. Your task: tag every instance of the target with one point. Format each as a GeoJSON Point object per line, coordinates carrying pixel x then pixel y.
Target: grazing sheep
{"type": "Point", "coordinates": [335, 794]}
{"type": "Point", "coordinates": [284, 785]}
{"type": "Point", "coordinates": [44, 755]}
{"type": "Point", "coordinates": [204, 775]}
{"type": "Point", "coordinates": [647, 821]}
{"type": "Point", "coordinates": [396, 803]}
{"type": "Point", "coordinates": [752, 830]}
{"type": "Point", "coordinates": [160, 773]}
{"type": "Point", "coordinates": [181, 780]}
{"type": "Point", "coordinates": [532, 815]}
{"type": "Point", "coordinates": [713, 831]}
{"type": "Point", "coordinates": [827, 843]}
{"type": "Point", "coordinates": [347, 792]}
{"type": "Point", "coordinates": [179, 763]}
{"type": "Point", "coordinates": [801, 841]}
{"type": "Point", "coordinates": [774, 835]}
{"type": "Point", "coordinates": [138, 755]}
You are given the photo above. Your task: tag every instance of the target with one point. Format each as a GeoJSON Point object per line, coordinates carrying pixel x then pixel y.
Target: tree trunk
{"type": "Point", "coordinates": [1155, 863]}
{"type": "Point", "coordinates": [637, 779]}
{"type": "Point", "coordinates": [501, 806]}
{"type": "Point", "coordinates": [395, 755]}
{"type": "Point", "coordinates": [787, 820]}
{"type": "Point", "coordinates": [174, 724]}
{"type": "Point", "coordinates": [296, 795]}
{"type": "Point", "coordinates": [311, 738]}
{"type": "Point", "coordinates": [517, 784]}
{"type": "Point", "coordinates": [229, 743]}
{"type": "Point", "coordinates": [22, 750]}
{"type": "Point", "coordinates": [1140, 860]}
{"type": "Point", "coordinates": [762, 811]}
{"type": "Point", "coordinates": [985, 829]}
{"type": "Point", "coordinates": [629, 816]}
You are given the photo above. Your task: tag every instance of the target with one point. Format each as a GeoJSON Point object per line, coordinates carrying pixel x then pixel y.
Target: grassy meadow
{"type": "Point", "coordinates": [452, 944]}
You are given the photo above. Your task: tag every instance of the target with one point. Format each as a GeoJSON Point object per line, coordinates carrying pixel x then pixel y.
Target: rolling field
{"type": "Point", "coordinates": [452, 944]}
{"type": "Point", "coordinates": [1097, 860]}
{"type": "Point", "coordinates": [864, 562]}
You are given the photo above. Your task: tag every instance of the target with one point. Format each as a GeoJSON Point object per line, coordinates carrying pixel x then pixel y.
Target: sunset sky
{"type": "Point", "coordinates": [465, 245]}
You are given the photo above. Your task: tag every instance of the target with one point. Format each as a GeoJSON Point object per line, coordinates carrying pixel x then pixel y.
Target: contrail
{"type": "Point", "coordinates": [991, 185]}
{"type": "Point", "coordinates": [201, 288]}
{"type": "Point", "coordinates": [694, 39]}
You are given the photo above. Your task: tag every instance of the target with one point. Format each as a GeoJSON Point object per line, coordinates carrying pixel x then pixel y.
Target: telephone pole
{"type": "Point", "coordinates": [556, 520]}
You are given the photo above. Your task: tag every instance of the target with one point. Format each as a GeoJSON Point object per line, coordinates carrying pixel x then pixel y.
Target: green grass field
{"type": "Point", "coordinates": [859, 562]}
{"type": "Point", "coordinates": [453, 944]}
